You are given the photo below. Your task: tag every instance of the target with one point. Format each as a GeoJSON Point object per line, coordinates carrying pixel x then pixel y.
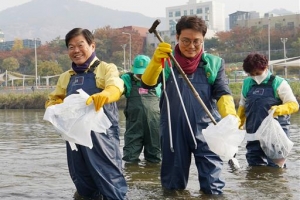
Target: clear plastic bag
{"type": "Point", "coordinates": [74, 120]}
{"type": "Point", "coordinates": [225, 137]}
{"type": "Point", "coordinates": [273, 140]}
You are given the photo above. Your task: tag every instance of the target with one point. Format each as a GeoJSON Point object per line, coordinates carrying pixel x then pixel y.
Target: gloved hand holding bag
{"type": "Point", "coordinates": [108, 95]}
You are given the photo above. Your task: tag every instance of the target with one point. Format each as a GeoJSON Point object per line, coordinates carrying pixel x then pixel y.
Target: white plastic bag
{"type": "Point", "coordinates": [273, 140]}
{"type": "Point", "coordinates": [74, 120]}
{"type": "Point", "coordinates": [224, 137]}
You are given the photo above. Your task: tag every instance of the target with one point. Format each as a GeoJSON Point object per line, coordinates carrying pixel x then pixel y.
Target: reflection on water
{"type": "Point", "coordinates": [33, 165]}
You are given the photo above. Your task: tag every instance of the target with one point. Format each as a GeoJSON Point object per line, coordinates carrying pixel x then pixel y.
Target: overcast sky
{"type": "Point", "coordinates": [157, 8]}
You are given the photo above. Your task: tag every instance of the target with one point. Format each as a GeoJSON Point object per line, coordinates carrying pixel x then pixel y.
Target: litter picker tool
{"type": "Point", "coordinates": [153, 30]}
{"type": "Point", "coordinates": [168, 105]}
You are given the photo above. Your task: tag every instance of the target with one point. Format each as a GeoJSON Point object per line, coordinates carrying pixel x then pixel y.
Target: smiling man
{"type": "Point", "coordinates": [96, 172]}
{"type": "Point", "coordinates": [206, 73]}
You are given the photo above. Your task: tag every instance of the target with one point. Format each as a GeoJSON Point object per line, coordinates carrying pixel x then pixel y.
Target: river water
{"type": "Point", "coordinates": [33, 166]}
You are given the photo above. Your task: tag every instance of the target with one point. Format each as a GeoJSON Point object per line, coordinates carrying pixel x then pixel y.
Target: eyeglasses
{"type": "Point", "coordinates": [186, 42]}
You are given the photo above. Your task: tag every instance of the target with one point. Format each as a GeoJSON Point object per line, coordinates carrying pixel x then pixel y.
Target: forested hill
{"type": "Point", "coordinates": [49, 19]}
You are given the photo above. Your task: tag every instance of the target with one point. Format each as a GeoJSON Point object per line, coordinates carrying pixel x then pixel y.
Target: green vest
{"type": "Point", "coordinates": [128, 77]}
{"type": "Point", "coordinates": [249, 82]}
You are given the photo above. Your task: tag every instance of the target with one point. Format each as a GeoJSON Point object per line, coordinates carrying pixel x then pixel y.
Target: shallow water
{"type": "Point", "coordinates": [33, 166]}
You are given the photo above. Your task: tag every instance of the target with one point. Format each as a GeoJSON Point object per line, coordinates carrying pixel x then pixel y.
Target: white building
{"type": "Point", "coordinates": [1, 36]}
{"type": "Point", "coordinates": [212, 12]}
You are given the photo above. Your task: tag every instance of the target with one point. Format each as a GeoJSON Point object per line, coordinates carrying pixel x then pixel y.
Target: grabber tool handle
{"type": "Point", "coordinates": [153, 30]}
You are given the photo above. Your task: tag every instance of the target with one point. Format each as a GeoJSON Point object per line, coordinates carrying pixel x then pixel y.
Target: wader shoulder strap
{"type": "Point", "coordinates": [270, 81]}
{"type": "Point", "coordinates": [94, 65]}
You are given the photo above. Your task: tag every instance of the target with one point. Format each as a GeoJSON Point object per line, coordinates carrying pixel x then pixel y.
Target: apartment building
{"type": "Point", "coordinates": [234, 18]}
{"type": "Point", "coordinates": [27, 43]}
{"type": "Point", "coordinates": [212, 12]}
{"type": "Point", "coordinates": [248, 19]}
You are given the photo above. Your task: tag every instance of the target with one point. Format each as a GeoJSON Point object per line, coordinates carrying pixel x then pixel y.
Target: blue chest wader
{"type": "Point", "coordinates": [97, 170]}
{"type": "Point", "coordinates": [176, 165]}
{"type": "Point", "coordinates": [259, 100]}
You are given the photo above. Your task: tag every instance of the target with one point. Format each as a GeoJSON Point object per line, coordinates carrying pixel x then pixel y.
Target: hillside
{"type": "Point", "coordinates": [47, 20]}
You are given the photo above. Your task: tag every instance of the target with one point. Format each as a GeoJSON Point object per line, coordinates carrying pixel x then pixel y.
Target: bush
{"type": "Point", "coordinates": [34, 100]}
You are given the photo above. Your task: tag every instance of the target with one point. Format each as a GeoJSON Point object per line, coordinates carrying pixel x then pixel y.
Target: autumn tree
{"type": "Point", "coordinates": [58, 43]}
{"type": "Point", "coordinates": [64, 62]}
{"type": "Point", "coordinates": [232, 45]}
{"type": "Point", "coordinates": [296, 44]}
{"type": "Point", "coordinates": [118, 59]}
{"type": "Point", "coordinates": [235, 44]}
{"type": "Point", "coordinates": [10, 64]}
{"type": "Point", "coordinates": [103, 39]}
{"type": "Point", "coordinates": [18, 45]}
{"type": "Point", "coordinates": [26, 59]}
{"type": "Point", "coordinates": [49, 68]}
{"type": "Point", "coordinates": [109, 40]}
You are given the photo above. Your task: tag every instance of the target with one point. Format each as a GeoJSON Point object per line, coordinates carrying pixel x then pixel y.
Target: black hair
{"type": "Point", "coordinates": [191, 22]}
{"type": "Point", "coordinates": [79, 31]}
{"type": "Point", "coordinates": [254, 62]}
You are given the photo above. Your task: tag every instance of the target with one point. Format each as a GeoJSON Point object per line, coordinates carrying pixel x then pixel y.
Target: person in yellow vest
{"type": "Point", "coordinates": [142, 115]}
{"type": "Point", "coordinates": [207, 75]}
{"type": "Point", "coordinates": [97, 172]}
{"type": "Point", "coordinates": [261, 92]}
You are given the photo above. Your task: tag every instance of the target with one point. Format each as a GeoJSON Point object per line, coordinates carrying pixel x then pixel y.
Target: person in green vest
{"type": "Point", "coordinates": [142, 115]}
{"type": "Point", "coordinates": [182, 138]}
{"type": "Point", "coordinates": [261, 92]}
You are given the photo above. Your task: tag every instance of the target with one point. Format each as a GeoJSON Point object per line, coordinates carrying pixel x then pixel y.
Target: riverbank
{"type": "Point", "coordinates": [27, 99]}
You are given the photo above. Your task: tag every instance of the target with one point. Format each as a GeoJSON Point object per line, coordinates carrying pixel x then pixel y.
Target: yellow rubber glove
{"type": "Point", "coordinates": [242, 116]}
{"type": "Point", "coordinates": [286, 109]}
{"type": "Point", "coordinates": [226, 107]}
{"type": "Point", "coordinates": [154, 68]}
{"type": "Point", "coordinates": [108, 95]}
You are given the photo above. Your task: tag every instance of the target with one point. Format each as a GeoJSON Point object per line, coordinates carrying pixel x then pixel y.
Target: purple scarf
{"type": "Point", "coordinates": [81, 68]}
{"type": "Point", "coordinates": [188, 65]}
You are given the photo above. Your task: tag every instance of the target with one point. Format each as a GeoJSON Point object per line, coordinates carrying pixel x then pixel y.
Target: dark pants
{"type": "Point", "coordinates": [256, 156]}
{"type": "Point", "coordinates": [98, 170]}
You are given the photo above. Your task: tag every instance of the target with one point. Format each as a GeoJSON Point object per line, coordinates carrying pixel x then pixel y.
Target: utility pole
{"type": "Point", "coordinates": [124, 64]}
{"type": "Point", "coordinates": [269, 41]}
{"type": "Point", "coordinates": [35, 59]}
{"type": "Point", "coordinates": [283, 40]}
{"type": "Point", "coordinates": [129, 48]}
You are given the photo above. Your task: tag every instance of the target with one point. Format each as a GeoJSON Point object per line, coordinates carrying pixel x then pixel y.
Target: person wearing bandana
{"type": "Point", "coordinates": [261, 92]}
{"type": "Point", "coordinates": [97, 172]}
{"type": "Point", "coordinates": [207, 75]}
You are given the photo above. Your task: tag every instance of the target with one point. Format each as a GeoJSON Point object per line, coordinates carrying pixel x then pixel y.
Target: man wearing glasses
{"type": "Point", "coordinates": [182, 137]}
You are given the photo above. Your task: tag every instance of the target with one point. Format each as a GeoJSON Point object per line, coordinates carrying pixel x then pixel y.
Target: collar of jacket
{"type": "Point", "coordinates": [72, 72]}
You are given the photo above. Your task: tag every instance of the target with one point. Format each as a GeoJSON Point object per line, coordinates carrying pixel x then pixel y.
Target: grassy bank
{"type": "Point", "coordinates": [36, 100]}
